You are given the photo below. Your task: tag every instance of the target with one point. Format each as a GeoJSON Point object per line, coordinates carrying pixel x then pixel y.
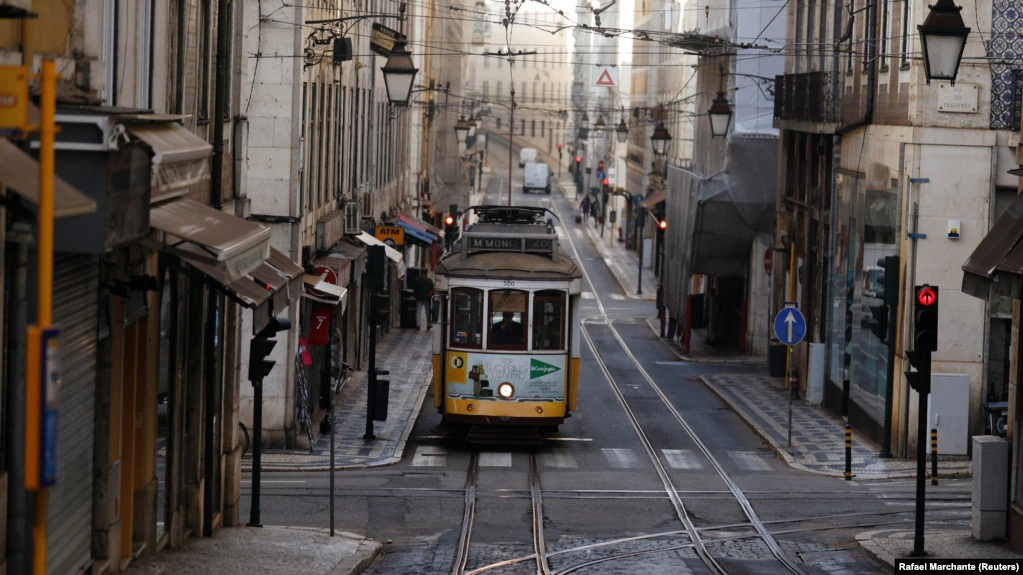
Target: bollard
{"type": "Point", "coordinates": [848, 453]}
{"type": "Point", "coordinates": [934, 456]}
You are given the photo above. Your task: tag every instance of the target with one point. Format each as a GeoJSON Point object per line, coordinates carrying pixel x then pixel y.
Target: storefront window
{"type": "Point", "coordinates": [508, 319]}
{"type": "Point", "coordinates": [549, 320]}
{"type": "Point", "coordinates": [867, 230]}
{"type": "Point", "coordinates": [467, 318]}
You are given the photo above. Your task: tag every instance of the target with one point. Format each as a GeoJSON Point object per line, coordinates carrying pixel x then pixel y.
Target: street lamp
{"type": "Point", "coordinates": [585, 119]}
{"type": "Point", "coordinates": [943, 35]}
{"type": "Point", "coordinates": [600, 124]}
{"type": "Point", "coordinates": [720, 114]}
{"type": "Point", "coordinates": [399, 73]}
{"type": "Point", "coordinates": [660, 138]}
{"type": "Point", "coordinates": [461, 130]}
{"type": "Point", "coordinates": [622, 132]}
{"type": "Point", "coordinates": [472, 126]}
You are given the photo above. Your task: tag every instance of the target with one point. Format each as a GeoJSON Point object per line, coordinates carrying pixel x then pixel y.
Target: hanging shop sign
{"type": "Point", "coordinates": [393, 236]}
{"type": "Point", "coordinates": [381, 39]}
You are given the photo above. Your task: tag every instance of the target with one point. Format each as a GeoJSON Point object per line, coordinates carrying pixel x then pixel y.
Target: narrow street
{"type": "Point", "coordinates": [653, 474]}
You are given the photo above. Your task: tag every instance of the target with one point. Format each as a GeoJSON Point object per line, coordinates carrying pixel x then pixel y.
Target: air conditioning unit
{"type": "Point", "coordinates": [352, 219]}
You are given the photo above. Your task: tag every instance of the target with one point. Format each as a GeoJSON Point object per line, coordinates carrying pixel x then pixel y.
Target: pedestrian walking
{"type": "Point", "coordinates": [585, 207]}
{"type": "Point", "coordinates": [423, 290]}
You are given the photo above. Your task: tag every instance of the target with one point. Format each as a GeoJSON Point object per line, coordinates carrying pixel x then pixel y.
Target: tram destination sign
{"type": "Point", "coordinates": [505, 244]}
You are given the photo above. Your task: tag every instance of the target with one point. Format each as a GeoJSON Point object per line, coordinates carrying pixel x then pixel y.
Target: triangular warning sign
{"type": "Point", "coordinates": [605, 78]}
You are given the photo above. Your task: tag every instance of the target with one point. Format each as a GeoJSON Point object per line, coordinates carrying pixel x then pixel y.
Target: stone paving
{"type": "Point", "coordinates": [263, 551]}
{"type": "Point", "coordinates": [623, 263]}
{"type": "Point", "coordinates": [818, 437]}
{"type": "Point", "coordinates": [886, 545]}
{"type": "Point", "coordinates": [407, 353]}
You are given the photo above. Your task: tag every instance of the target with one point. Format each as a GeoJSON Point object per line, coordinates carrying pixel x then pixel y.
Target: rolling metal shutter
{"type": "Point", "coordinates": [75, 303]}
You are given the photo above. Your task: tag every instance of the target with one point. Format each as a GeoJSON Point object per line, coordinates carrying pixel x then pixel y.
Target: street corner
{"type": "Point", "coordinates": [871, 542]}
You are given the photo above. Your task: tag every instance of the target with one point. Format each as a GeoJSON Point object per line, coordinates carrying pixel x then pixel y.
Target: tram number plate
{"type": "Point", "coordinates": [511, 244]}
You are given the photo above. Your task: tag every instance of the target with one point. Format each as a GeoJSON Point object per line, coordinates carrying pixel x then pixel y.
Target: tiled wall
{"type": "Point", "coordinates": [1007, 42]}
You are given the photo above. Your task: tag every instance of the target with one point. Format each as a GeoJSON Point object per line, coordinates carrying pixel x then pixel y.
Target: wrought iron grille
{"type": "Point", "coordinates": [807, 97]}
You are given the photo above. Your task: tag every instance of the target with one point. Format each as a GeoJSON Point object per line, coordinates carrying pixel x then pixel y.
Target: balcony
{"type": "Point", "coordinates": [806, 98]}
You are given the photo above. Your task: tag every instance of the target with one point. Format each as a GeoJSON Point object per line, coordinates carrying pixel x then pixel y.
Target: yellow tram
{"type": "Point", "coordinates": [507, 351]}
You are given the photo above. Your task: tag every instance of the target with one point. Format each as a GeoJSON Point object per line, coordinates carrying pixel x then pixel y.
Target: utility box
{"type": "Point", "coordinates": [383, 394]}
{"type": "Point", "coordinates": [815, 377]}
{"type": "Point", "coordinates": [990, 487]}
{"type": "Point", "coordinates": [949, 412]}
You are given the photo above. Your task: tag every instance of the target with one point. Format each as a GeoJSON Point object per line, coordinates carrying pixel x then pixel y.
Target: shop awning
{"type": "Point", "coordinates": [393, 254]}
{"type": "Point", "coordinates": [171, 142]}
{"type": "Point", "coordinates": [180, 158]}
{"type": "Point", "coordinates": [20, 172]}
{"type": "Point", "coordinates": [997, 262]}
{"type": "Point", "coordinates": [324, 292]}
{"type": "Point", "coordinates": [230, 246]}
{"type": "Point", "coordinates": [423, 224]}
{"type": "Point", "coordinates": [415, 232]}
{"type": "Point", "coordinates": [653, 199]}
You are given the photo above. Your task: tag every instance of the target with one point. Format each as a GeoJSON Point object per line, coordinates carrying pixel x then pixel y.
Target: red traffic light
{"type": "Point", "coordinates": [663, 224]}
{"type": "Point", "coordinates": [926, 297]}
{"type": "Point", "coordinates": [578, 159]}
{"type": "Point", "coordinates": [559, 146]}
{"type": "Point", "coordinates": [606, 181]}
{"type": "Point", "coordinates": [449, 221]}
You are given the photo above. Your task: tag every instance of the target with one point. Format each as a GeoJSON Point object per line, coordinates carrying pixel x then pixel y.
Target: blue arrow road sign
{"type": "Point", "coordinates": [790, 326]}
{"type": "Point", "coordinates": [600, 176]}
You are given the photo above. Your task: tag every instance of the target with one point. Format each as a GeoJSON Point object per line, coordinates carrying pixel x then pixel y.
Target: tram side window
{"type": "Point", "coordinates": [467, 317]}
{"type": "Point", "coordinates": [508, 318]}
{"type": "Point", "coordinates": [549, 320]}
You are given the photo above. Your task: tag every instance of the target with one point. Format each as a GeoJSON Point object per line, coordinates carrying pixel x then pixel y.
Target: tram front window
{"type": "Point", "coordinates": [508, 319]}
{"type": "Point", "coordinates": [467, 318]}
{"type": "Point", "coordinates": [549, 320]}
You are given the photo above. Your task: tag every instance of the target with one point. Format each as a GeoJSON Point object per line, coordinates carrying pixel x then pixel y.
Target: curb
{"type": "Point", "coordinates": [742, 360]}
{"type": "Point", "coordinates": [399, 448]}
{"type": "Point", "coordinates": [791, 461]}
{"type": "Point", "coordinates": [358, 561]}
{"type": "Point", "coordinates": [875, 551]}
{"type": "Point", "coordinates": [602, 250]}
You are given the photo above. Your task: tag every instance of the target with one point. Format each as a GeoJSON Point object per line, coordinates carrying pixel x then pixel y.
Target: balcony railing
{"type": "Point", "coordinates": [805, 97]}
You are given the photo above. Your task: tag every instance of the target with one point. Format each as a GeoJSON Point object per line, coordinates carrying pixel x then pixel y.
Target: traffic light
{"type": "Point", "coordinates": [919, 380]}
{"type": "Point", "coordinates": [559, 146]}
{"type": "Point", "coordinates": [260, 347]}
{"type": "Point", "coordinates": [889, 280]}
{"type": "Point", "coordinates": [662, 225]}
{"type": "Point", "coordinates": [925, 318]}
{"type": "Point", "coordinates": [376, 264]}
{"type": "Point", "coordinates": [450, 230]}
{"type": "Point", "coordinates": [606, 181]}
{"type": "Point", "coordinates": [379, 309]}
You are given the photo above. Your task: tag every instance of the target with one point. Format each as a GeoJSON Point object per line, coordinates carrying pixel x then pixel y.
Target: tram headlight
{"type": "Point", "coordinates": [506, 390]}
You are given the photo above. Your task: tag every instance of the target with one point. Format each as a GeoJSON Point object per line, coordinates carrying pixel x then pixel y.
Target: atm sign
{"type": "Point", "coordinates": [395, 234]}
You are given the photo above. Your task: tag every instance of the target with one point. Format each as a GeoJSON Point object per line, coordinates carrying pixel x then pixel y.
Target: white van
{"type": "Point", "coordinates": [527, 155]}
{"type": "Point", "coordinates": [536, 177]}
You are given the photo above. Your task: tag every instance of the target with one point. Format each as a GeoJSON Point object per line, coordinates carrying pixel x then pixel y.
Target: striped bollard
{"type": "Point", "coordinates": [848, 453]}
{"type": "Point", "coordinates": [934, 456]}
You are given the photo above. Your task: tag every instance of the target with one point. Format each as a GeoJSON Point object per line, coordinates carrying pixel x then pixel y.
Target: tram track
{"type": "Point", "coordinates": [694, 534]}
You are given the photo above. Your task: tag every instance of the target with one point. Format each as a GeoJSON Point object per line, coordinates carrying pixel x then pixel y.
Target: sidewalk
{"type": "Point", "coordinates": [266, 550]}
{"type": "Point", "coordinates": [624, 264]}
{"type": "Point", "coordinates": [818, 437]}
{"type": "Point", "coordinates": [885, 545]}
{"type": "Point", "coordinates": [407, 354]}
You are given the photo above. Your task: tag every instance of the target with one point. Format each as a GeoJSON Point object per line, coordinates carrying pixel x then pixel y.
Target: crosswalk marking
{"type": "Point", "coordinates": [749, 460]}
{"type": "Point", "coordinates": [620, 458]}
{"type": "Point", "coordinates": [429, 456]}
{"type": "Point", "coordinates": [682, 459]}
{"type": "Point", "coordinates": [488, 459]}
{"type": "Point", "coordinates": [587, 295]}
{"type": "Point", "coordinates": [578, 232]}
{"type": "Point", "coordinates": [560, 232]}
{"type": "Point", "coordinates": [560, 458]}
{"type": "Point", "coordinates": [617, 296]}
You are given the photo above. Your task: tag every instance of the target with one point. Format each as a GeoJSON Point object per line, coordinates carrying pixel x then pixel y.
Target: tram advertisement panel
{"type": "Point", "coordinates": [478, 375]}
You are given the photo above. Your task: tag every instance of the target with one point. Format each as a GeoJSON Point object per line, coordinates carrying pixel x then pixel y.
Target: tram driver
{"type": "Point", "coordinates": [508, 331]}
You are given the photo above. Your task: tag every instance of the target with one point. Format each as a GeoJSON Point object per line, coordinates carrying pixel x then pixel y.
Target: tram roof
{"type": "Point", "coordinates": [510, 265]}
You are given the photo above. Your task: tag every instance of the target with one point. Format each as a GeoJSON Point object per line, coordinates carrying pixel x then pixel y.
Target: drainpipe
{"type": "Point", "coordinates": [220, 104]}
{"type": "Point", "coordinates": [179, 66]}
